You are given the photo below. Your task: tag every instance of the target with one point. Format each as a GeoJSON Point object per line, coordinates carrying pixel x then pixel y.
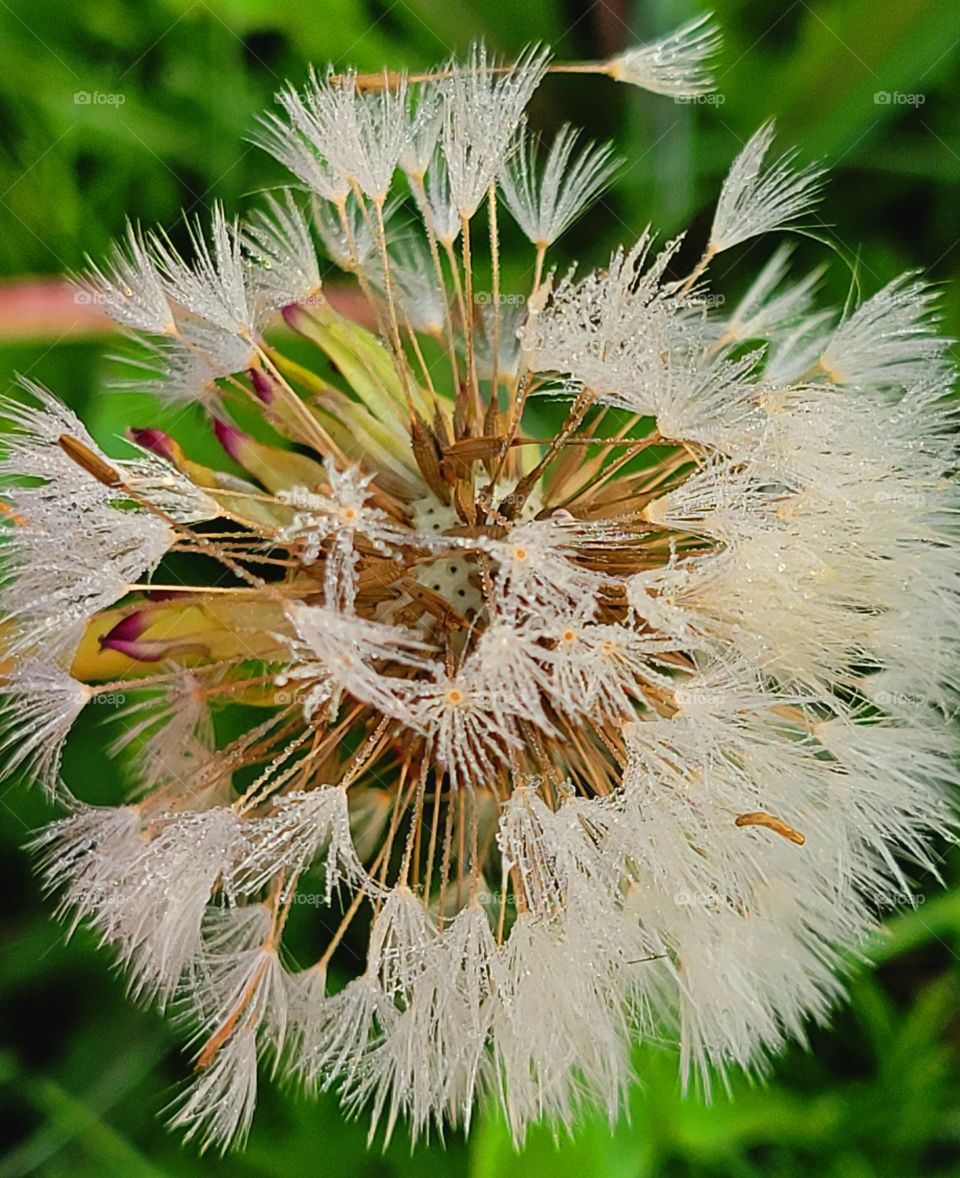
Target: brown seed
{"type": "Point", "coordinates": [777, 825]}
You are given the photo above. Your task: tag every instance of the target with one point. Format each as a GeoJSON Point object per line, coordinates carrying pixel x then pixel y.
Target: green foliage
{"type": "Point", "coordinates": [83, 1075]}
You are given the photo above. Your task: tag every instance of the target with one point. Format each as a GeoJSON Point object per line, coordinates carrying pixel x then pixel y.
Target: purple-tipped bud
{"type": "Point", "coordinates": [230, 438]}
{"type": "Point", "coordinates": [156, 441]}
{"type": "Point", "coordinates": [126, 637]}
{"type": "Point", "coordinates": [294, 315]}
{"type": "Point", "coordinates": [126, 634]}
{"type": "Point", "coordinates": [263, 385]}
{"type": "Point", "coordinates": [127, 629]}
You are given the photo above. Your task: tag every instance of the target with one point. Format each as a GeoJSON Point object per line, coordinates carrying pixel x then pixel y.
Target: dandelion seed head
{"type": "Point", "coordinates": [564, 736]}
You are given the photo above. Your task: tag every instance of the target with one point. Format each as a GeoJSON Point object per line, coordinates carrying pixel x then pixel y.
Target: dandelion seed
{"type": "Point", "coordinates": [42, 703]}
{"type": "Point", "coordinates": [888, 341]}
{"type": "Point", "coordinates": [756, 200]}
{"type": "Point", "coordinates": [482, 111]}
{"type": "Point", "coordinates": [359, 137]}
{"type": "Point", "coordinates": [545, 206]}
{"type": "Point", "coordinates": [130, 288]}
{"type": "Point", "coordinates": [279, 241]}
{"type": "Point", "coordinates": [675, 64]}
{"type": "Point", "coordinates": [213, 287]}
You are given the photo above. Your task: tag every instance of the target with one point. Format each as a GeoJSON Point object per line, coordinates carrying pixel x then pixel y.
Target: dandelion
{"type": "Point", "coordinates": [562, 741]}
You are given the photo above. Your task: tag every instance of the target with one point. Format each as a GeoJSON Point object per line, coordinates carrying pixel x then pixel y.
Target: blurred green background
{"type": "Point", "coordinates": [112, 108]}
